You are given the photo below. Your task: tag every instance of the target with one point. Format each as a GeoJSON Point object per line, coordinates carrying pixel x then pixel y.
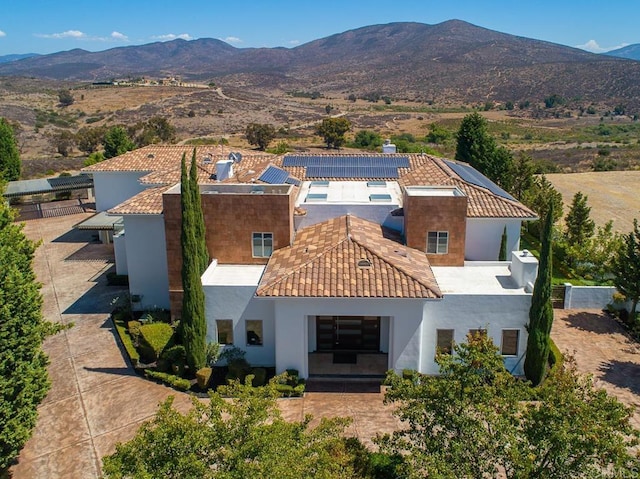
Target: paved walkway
{"type": "Point", "coordinates": [602, 348]}
{"type": "Point", "coordinates": [96, 400]}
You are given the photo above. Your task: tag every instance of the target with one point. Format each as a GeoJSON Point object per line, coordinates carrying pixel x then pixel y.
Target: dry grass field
{"type": "Point", "coordinates": [613, 195]}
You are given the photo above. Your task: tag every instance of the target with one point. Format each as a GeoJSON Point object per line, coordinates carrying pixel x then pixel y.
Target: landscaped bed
{"type": "Point", "coordinates": [153, 346]}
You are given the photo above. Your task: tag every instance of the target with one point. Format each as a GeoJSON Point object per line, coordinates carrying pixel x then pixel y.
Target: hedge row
{"type": "Point", "coordinates": [177, 382]}
{"type": "Point", "coordinates": [127, 342]}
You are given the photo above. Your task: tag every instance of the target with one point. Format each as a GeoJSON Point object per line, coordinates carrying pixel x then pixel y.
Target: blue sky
{"type": "Point", "coordinates": [41, 26]}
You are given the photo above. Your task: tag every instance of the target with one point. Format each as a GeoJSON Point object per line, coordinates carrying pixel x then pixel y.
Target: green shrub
{"type": "Point", "coordinates": [127, 342]}
{"type": "Point", "coordinates": [285, 390]}
{"type": "Point", "coordinates": [134, 331]}
{"type": "Point", "coordinates": [408, 374]}
{"type": "Point", "coordinates": [555, 356]}
{"type": "Point", "coordinates": [294, 373]}
{"type": "Point", "coordinates": [176, 382]}
{"type": "Point", "coordinates": [203, 375]}
{"type": "Point", "coordinates": [172, 356]}
{"type": "Point", "coordinates": [154, 338]}
{"type": "Point", "coordinates": [259, 377]}
{"type": "Point", "coordinates": [238, 369]}
{"type": "Point", "coordinates": [298, 390]}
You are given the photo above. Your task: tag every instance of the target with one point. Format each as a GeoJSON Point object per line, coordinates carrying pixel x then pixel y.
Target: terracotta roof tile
{"type": "Point", "coordinates": [323, 262]}
{"type": "Point", "coordinates": [147, 202]}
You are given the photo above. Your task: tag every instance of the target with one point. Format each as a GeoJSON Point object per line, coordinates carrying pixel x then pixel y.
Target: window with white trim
{"type": "Point", "coordinates": [262, 245]}
{"type": "Point", "coordinates": [510, 342]}
{"type": "Point", "coordinates": [444, 341]}
{"type": "Point", "coordinates": [254, 332]}
{"type": "Point", "coordinates": [438, 242]}
{"type": "Point", "coordinates": [225, 331]}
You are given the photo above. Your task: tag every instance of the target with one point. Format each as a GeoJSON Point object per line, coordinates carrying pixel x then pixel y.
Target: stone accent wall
{"type": "Point", "coordinates": [437, 213]}
{"type": "Point", "coordinates": [230, 220]}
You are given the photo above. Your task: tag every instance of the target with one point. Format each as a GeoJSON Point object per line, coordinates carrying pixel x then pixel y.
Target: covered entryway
{"type": "Point", "coordinates": [348, 333]}
{"type": "Point", "coordinates": [348, 346]}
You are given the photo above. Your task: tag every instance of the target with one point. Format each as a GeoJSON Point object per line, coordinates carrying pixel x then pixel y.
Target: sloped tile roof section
{"type": "Point", "coordinates": [147, 202]}
{"type": "Point", "coordinates": [165, 158]}
{"type": "Point", "coordinates": [348, 257]}
{"type": "Point", "coordinates": [483, 202]}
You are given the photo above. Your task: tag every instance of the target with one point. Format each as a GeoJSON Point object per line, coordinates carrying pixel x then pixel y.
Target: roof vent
{"type": "Point", "coordinates": [151, 155]}
{"type": "Point", "coordinates": [364, 263]}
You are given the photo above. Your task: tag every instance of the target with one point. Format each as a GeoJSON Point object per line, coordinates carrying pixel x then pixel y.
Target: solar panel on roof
{"type": "Point", "coordinates": [292, 181]}
{"type": "Point", "coordinates": [473, 176]}
{"type": "Point", "coordinates": [345, 160]}
{"type": "Point", "coordinates": [274, 175]}
{"type": "Point", "coordinates": [331, 171]}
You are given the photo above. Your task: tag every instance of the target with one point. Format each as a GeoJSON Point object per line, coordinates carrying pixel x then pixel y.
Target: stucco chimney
{"type": "Point", "coordinates": [524, 268]}
{"type": "Point", "coordinates": [388, 147]}
{"type": "Point", "coordinates": [224, 169]}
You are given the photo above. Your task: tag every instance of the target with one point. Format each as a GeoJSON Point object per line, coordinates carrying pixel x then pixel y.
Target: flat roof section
{"type": "Point", "coordinates": [100, 221]}
{"type": "Point", "coordinates": [350, 192]}
{"type": "Point", "coordinates": [232, 274]}
{"type": "Point", "coordinates": [47, 185]}
{"type": "Point", "coordinates": [434, 191]}
{"type": "Point", "coordinates": [237, 189]}
{"type": "Point", "coordinates": [476, 278]}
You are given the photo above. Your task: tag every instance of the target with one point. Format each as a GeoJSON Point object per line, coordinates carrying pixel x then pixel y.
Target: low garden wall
{"type": "Point", "coordinates": [587, 297]}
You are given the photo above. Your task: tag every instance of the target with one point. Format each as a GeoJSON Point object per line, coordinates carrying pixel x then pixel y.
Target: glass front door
{"type": "Point", "coordinates": [348, 333]}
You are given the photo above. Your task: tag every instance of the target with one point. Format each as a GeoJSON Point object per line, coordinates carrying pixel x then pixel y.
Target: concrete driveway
{"type": "Point", "coordinates": [96, 399]}
{"type": "Point", "coordinates": [601, 348]}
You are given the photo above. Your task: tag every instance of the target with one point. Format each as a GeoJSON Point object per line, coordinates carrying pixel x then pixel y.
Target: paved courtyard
{"type": "Point", "coordinates": [96, 399]}
{"type": "Point", "coordinates": [601, 348]}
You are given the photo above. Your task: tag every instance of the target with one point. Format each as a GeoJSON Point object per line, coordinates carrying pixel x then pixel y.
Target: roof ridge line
{"type": "Point", "coordinates": [382, 258]}
{"type": "Point", "coordinates": [311, 260]}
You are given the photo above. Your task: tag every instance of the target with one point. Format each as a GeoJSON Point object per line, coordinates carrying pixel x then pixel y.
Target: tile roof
{"type": "Point", "coordinates": [163, 165]}
{"type": "Point", "coordinates": [147, 202]}
{"type": "Point", "coordinates": [157, 158]}
{"type": "Point", "coordinates": [323, 262]}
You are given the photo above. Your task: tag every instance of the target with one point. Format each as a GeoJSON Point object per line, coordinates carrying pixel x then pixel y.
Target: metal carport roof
{"type": "Point", "coordinates": [47, 185]}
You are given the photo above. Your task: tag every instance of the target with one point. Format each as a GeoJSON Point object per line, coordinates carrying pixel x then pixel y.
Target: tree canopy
{"type": "Point", "coordinates": [626, 267]}
{"type": "Point", "coordinates": [579, 226]}
{"type": "Point", "coordinates": [23, 365]}
{"type": "Point", "coordinates": [260, 134]}
{"type": "Point", "coordinates": [245, 437]}
{"type": "Point", "coordinates": [478, 148]}
{"type": "Point", "coordinates": [65, 97]}
{"type": "Point", "coordinates": [477, 420]}
{"type": "Point", "coordinates": [193, 326]}
{"type": "Point", "coordinates": [541, 311]}
{"type": "Point", "coordinates": [333, 131]}
{"type": "Point", "coordinates": [117, 142]}
{"type": "Point", "coordinates": [9, 156]}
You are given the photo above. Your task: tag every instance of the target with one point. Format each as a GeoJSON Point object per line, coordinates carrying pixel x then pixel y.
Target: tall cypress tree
{"type": "Point", "coordinates": [9, 156]}
{"type": "Point", "coordinates": [541, 311]}
{"type": "Point", "coordinates": [193, 326]}
{"type": "Point", "coordinates": [199, 229]}
{"type": "Point", "coordinates": [23, 365]}
{"type": "Point", "coordinates": [502, 255]}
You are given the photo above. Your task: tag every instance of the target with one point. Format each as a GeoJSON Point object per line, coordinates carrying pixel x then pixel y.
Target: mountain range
{"type": "Point", "coordinates": [453, 61]}
{"type": "Point", "coordinates": [632, 52]}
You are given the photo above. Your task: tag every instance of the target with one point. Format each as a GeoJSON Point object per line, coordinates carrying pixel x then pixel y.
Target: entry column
{"type": "Point", "coordinates": [291, 333]}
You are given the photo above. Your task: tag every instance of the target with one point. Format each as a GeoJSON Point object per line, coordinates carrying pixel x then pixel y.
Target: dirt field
{"type": "Point", "coordinates": [613, 195]}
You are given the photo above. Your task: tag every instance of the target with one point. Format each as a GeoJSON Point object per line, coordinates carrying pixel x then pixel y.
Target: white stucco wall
{"type": "Point", "coordinates": [114, 187]}
{"type": "Point", "coordinates": [462, 312]}
{"type": "Point", "coordinates": [588, 297]}
{"type": "Point", "coordinates": [295, 326]}
{"type": "Point", "coordinates": [484, 235]}
{"type": "Point", "coordinates": [238, 304]}
{"type": "Point", "coordinates": [373, 212]}
{"type": "Point", "coordinates": [147, 260]}
{"type": "Point", "coordinates": [120, 251]}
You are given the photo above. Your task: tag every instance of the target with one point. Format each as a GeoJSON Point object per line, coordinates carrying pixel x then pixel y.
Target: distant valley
{"type": "Point", "coordinates": [452, 62]}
